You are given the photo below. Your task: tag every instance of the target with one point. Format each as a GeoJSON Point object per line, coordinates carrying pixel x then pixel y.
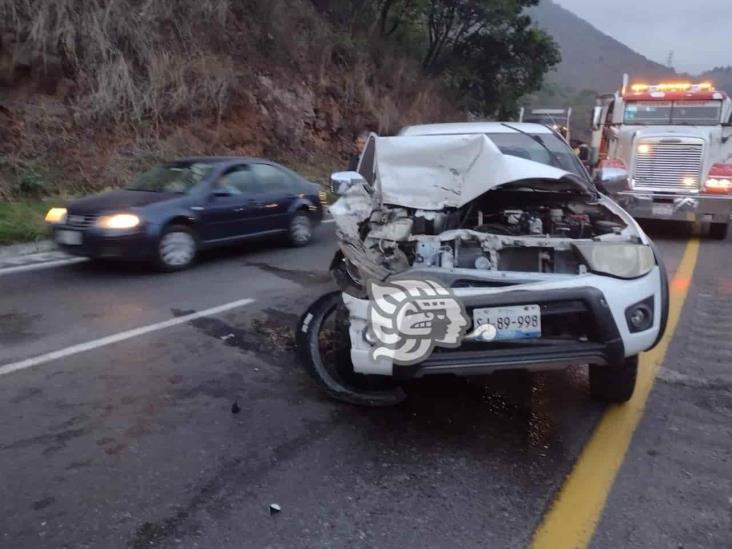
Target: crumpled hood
{"type": "Point", "coordinates": [439, 171]}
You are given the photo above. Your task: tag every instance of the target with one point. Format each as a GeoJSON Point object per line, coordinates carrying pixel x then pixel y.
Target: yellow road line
{"type": "Point", "coordinates": [573, 517]}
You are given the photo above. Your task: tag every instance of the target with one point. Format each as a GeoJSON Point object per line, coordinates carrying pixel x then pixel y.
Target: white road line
{"type": "Point", "coordinates": [42, 265]}
{"type": "Point", "coordinates": [331, 220]}
{"type": "Point", "coordinates": [122, 336]}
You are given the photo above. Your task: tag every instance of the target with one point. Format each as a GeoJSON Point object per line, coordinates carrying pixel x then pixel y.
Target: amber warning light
{"type": "Point", "coordinates": [672, 87]}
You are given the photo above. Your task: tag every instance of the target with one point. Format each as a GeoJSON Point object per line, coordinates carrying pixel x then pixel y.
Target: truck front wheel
{"type": "Point", "coordinates": [718, 231]}
{"type": "Point", "coordinates": [615, 382]}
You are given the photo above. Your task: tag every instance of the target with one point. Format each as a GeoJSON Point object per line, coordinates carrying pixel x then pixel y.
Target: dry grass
{"type": "Point", "coordinates": [134, 60]}
{"type": "Point", "coordinates": [154, 79]}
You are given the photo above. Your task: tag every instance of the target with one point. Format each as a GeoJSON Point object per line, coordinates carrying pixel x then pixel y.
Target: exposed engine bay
{"type": "Point", "coordinates": [502, 230]}
{"type": "Point", "coordinates": [444, 233]}
{"type": "Point", "coordinates": [466, 206]}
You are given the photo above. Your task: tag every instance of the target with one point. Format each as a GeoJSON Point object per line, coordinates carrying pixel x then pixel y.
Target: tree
{"type": "Point", "coordinates": [497, 69]}
{"type": "Point", "coordinates": [487, 50]}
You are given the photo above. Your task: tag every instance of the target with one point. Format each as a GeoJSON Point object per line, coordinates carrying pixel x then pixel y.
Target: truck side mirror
{"type": "Point", "coordinates": [611, 180]}
{"type": "Point", "coordinates": [596, 118]}
{"type": "Point", "coordinates": [340, 182]}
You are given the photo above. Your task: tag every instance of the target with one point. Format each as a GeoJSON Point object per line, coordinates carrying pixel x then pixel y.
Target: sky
{"type": "Point", "coordinates": [698, 31]}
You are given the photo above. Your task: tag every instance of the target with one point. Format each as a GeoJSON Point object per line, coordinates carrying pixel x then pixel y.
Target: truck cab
{"type": "Point", "coordinates": [555, 119]}
{"type": "Point", "coordinates": [668, 147]}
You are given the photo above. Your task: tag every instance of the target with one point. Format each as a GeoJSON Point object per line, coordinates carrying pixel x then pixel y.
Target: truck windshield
{"type": "Point", "coordinates": [525, 146]}
{"type": "Point", "coordinates": [665, 113]}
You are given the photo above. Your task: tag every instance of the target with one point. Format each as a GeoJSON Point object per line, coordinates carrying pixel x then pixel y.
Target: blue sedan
{"type": "Point", "coordinates": [176, 209]}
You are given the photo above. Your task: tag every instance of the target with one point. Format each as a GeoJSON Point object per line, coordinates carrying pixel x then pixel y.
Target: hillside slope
{"type": "Point", "coordinates": [93, 92]}
{"type": "Point", "coordinates": [721, 77]}
{"type": "Point", "coordinates": [590, 58]}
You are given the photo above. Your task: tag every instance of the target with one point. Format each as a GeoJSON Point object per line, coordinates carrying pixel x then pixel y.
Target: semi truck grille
{"type": "Point", "coordinates": [672, 166]}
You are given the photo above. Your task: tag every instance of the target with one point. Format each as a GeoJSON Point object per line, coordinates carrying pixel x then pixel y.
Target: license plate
{"type": "Point", "coordinates": [70, 238]}
{"type": "Point", "coordinates": [663, 210]}
{"type": "Point", "coordinates": [517, 322]}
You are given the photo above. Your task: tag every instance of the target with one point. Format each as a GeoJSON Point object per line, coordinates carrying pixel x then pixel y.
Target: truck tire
{"type": "Point", "coordinates": [718, 231]}
{"type": "Point", "coordinates": [614, 383]}
{"type": "Point", "coordinates": [353, 390]}
{"type": "Point", "coordinates": [344, 366]}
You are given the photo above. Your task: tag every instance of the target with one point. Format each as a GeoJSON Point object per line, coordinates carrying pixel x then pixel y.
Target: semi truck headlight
{"type": "Point", "coordinates": [719, 185]}
{"type": "Point", "coordinates": [719, 179]}
{"type": "Point", "coordinates": [618, 259]}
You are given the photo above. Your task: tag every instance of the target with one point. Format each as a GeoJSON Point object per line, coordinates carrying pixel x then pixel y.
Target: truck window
{"type": "Point", "coordinates": [648, 113]}
{"type": "Point", "coordinates": [664, 113]}
{"type": "Point", "coordinates": [697, 113]}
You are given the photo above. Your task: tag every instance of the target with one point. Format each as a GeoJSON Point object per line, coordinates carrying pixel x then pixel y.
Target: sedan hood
{"type": "Point", "coordinates": [440, 171]}
{"type": "Point", "coordinates": [117, 200]}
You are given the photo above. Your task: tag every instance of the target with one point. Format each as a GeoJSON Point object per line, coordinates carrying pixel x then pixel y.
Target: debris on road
{"type": "Point", "coordinates": [274, 508]}
{"type": "Point", "coordinates": [235, 408]}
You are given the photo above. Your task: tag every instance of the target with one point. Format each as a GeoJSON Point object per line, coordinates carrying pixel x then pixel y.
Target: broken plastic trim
{"type": "Point", "coordinates": [308, 349]}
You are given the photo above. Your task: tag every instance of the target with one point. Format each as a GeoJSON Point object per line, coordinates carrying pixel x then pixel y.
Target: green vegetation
{"type": "Point", "coordinates": [23, 221]}
{"type": "Point", "coordinates": [486, 51]}
{"type": "Point", "coordinates": [24, 178]}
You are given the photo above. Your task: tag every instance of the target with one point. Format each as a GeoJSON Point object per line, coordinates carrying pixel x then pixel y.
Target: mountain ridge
{"type": "Point", "coordinates": [591, 59]}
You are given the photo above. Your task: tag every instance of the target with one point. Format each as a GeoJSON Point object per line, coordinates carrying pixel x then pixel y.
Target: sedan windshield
{"type": "Point", "coordinates": [545, 148]}
{"type": "Point", "coordinates": [177, 177]}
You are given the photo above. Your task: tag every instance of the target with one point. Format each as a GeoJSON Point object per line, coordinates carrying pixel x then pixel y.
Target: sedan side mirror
{"type": "Point", "coordinates": [341, 182]}
{"type": "Point", "coordinates": [611, 180]}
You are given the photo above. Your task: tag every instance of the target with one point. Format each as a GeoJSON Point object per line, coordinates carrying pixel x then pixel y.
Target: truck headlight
{"type": "Point", "coordinates": [118, 221]}
{"type": "Point", "coordinates": [56, 216]}
{"type": "Point", "coordinates": [618, 259]}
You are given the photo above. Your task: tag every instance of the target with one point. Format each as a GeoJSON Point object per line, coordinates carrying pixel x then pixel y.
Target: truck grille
{"type": "Point", "coordinates": [668, 166]}
{"type": "Point", "coordinates": [76, 221]}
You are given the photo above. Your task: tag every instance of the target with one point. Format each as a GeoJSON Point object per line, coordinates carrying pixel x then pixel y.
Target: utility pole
{"type": "Point", "coordinates": [670, 60]}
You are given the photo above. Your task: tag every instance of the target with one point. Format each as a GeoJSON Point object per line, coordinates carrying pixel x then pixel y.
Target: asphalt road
{"type": "Point", "coordinates": [134, 444]}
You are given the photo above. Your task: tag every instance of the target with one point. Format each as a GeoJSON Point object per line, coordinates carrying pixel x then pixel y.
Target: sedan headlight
{"type": "Point", "coordinates": [118, 221]}
{"type": "Point", "coordinates": [56, 216]}
{"type": "Point", "coordinates": [618, 259]}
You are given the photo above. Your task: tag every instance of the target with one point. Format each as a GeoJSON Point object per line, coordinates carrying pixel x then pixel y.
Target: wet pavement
{"type": "Point", "coordinates": [134, 444]}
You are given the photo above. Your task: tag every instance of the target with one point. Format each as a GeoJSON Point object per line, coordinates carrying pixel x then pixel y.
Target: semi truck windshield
{"type": "Point", "coordinates": [690, 113]}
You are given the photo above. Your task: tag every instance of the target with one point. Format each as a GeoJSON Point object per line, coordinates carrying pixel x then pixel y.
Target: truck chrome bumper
{"type": "Point", "coordinates": [674, 207]}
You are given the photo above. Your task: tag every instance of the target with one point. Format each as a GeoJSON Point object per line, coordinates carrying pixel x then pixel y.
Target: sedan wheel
{"type": "Point", "coordinates": [301, 230]}
{"type": "Point", "coordinates": [177, 249]}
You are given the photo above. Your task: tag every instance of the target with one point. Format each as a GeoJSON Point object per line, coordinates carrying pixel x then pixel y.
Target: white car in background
{"type": "Point", "coordinates": [503, 219]}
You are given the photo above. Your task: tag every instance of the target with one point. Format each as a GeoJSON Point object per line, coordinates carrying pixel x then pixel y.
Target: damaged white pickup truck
{"type": "Point", "coordinates": [469, 248]}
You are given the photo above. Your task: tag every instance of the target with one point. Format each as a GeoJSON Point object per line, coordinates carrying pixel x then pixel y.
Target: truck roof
{"type": "Point", "coordinates": [675, 96]}
{"type": "Point", "coordinates": [474, 127]}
